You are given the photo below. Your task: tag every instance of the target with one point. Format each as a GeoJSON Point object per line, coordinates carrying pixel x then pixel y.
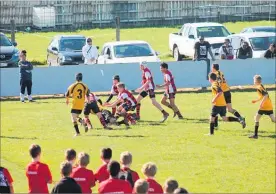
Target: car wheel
{"type": "Point", "coordinates": [176, 54]}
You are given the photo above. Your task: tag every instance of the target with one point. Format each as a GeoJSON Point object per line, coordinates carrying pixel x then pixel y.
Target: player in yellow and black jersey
{"type": "Point", "coordinates": [227, 94]}
{"type": "Point", "coordinates": [219, 104]}
{"type": "Point", "coordinates": [265, 108]}
{"type": "Point", "coordinates": [78, 91]}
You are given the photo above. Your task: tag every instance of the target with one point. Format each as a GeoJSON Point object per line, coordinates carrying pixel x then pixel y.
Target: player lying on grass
{"type": "Point", "coordinates": [128, 104]}
{"type": "Point", "coordinates": [219, 104]}
{"type": "Point", "coordinates": [265, 108]}
{"type": "Point", "coordinates": [227, 94]}
{"type": "Point", "coordinates": [114, 91]}
{"type": "Point", "coordinates": [148, 89]}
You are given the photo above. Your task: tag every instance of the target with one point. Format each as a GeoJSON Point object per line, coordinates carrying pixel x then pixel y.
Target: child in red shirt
{"type": "Point", "coordinates": [150, 170]}
{"type": "Point", "coordinates": [126, 161]}
{"type": "Point", "coordinates": [38, 173]}
{"type": "Point", "coordinates": [84, 177]}
{"type": "Point", "coordinates": [5, 181]}
{"type": "Point", "coordinates": [141, 187]}
{"type": "Point", "coordinates": [70, 156]}
{"type": "Point", "coordinates": [102, 173]}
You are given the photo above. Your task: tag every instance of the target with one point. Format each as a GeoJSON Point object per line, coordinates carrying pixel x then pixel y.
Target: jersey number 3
{"type": "Point", "coordinates": [80, 94]}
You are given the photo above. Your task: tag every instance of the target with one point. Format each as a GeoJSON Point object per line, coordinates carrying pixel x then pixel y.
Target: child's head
{"type": "Point", "coordinates": [35, 151]}
{"type": "Point", "coordinates": [116, 79]}
{"type": "Point", "coordinates": [83, 159]}
{"type": "Point", "coordinates": [114, 168]}
{"type": "Point", "coordinates": [212, 77]}
{"type": "Point", "coordinates": [141, 187]}
{"type": "Point", "coordinates": [170, 185]}
{"type": "Point", "coordinates": [66, 169]}
{"type": "Point", "coordinates": [215, 67]}
{"type": "Point", "coordinates": [70, 155]}
{"type": "Point", "coordinates": [181, 190]}
{"type": "Point", "coordinates": [121, 86]}
{"type": "Point", "coordinates": [23, 55]}
{"type": "Point", "coordinates": [126, 158]}
{"type": "Point", "coordinates": [164, 67]}
{"type": "Point", "coordinates": [106, 154]}
{"type": "Point", "coordinates": [257, 79]}
{"type": "Point", "coordinates": [149, 169]}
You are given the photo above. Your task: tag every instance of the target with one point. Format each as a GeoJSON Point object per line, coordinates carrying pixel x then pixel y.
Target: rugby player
{"type": "Point", "coordinates": [114, 91]}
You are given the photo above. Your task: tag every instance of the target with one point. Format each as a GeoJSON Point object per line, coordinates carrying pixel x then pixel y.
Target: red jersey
{"type": "Point", "coordinates": [128, 98]}
{"type": "Point", "coordinates": [114, 90]}
{"type": "Point", "coordinates": [134, 174]}
{"type": "Point", "coordinates": [168, 78]}
{"type": "Point", "coordinates": [7, 176]}
{"type": "Point", "coordinates": [85, 178]}
{"type": "Point", "coordinates": [148, 76]}
{"type": "Point", "coordinates": [39, 176]}
{"type": "Point", "coordinates": [154, 187]}
{"type": "Point", "coordinates": [115, 186]}
{"type": "Point", "coordinates": [102, 173]}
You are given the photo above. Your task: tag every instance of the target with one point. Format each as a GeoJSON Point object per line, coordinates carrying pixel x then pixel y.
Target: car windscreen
{"type": "Point", "coordinates": [132, 50]}
{"type": "Point", "coordinates": [272, 29]}
{"type": "Point", "coordinates": [4, 41]}
{"type": "Point", "coordinates": [71, 44]}
{"type": "Point", "coordinates": [212, 31]}
{"type": "Point", "coordinates": [261, 43]}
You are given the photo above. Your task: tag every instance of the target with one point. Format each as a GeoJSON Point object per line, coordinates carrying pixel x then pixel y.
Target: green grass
{"type": "Point", "coordinates": [228, 162]}
{"type": "Point", "coordinates": [36, 43]}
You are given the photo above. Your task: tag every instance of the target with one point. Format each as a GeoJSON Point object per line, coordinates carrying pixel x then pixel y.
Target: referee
{"type": "Point", "coordinates": [25, 76]}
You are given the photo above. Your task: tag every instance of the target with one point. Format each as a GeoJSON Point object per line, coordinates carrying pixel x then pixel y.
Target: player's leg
{"type": "Point", "coordinates": [74, 116]}
{"type": "Point", "coordinates": [214, 113]}
{"type": "Point", "coordinates": [140, 97]}
{"type": "Point", "coordinates": [86, 121]}
{"type": "Point", "coordinates": [230, 119]}
{"type": "Point", "coordinates": [216, 122]}
{"type": "Point", "coordinates": [157, 105]}
{"type": "Point", "coordinates": [22, 90]}
{"type": "Point", "coordinates": [257, 124]}
{"type": "Point", "coordinates": [273, 118]}
{"type": "Point", "coordinates": [173, 105]}
{"type": "Point", "coordinates": [165, 102]}
{"type": "Point", "coordinates": [228, 99]}
{"type": "Point", "coordinates": [29, 90]}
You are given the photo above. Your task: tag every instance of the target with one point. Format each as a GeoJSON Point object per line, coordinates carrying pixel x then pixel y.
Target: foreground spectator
{"type": "Point", "coordinates": [84, 177]}
{"type": "Point", "coordinates": [271, 52]}
{"type": "Point", "coordinates": [38, 173]}
{"type": "Point", "coordinates": [150, 170]}
{"type": "Point", "coordinates": [70, 156]}
{"type": "Point", "coordinates": [180, 190]}
{"type": "Point", "coordinates": [202, 48]}
{"type": "Point", "coordinates": [226, 50]}
{"type": "Point", "coordinates": [126, 161]}
{"type": "Point", "coordinates": [66, 184]}
{"type": "Point", "coordinates": [89, 52]}
{"type": "Point", "coordinates": [245, 51]}
{"type": "Point", "coordinates": [102, 173]}
{"type": "Point", "coordinates": [141, 187]}
{"type": "Point", "coordinates": [25, 76]}
{"type": "Point", "coordinates": [114, 184]}
{"type": "Point", "coordinates": [170, 186]}
{"type": "Point", "coordinates": [5, 181]}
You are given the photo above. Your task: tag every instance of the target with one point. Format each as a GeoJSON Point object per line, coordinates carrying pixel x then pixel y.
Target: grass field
{"type": "Point", "coordinates": [36, 43]}
{"type": "Point", "coordinates": [228, 162]}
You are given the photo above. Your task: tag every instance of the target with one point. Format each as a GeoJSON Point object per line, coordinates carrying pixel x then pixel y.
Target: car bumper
{"type": "Point", "coordinates": [13, 62]}
{"type": "Point", "coordinates": [72, 63]}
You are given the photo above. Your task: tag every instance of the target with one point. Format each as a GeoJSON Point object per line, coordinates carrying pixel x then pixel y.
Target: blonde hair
{"type": "Point", "coordinates": [141, 187]}
{"type": "Point", "coordinates": [126, 158]}
{"type": "Point", "coordinates": [121, 85]}
{"type": "Point", "coordinates": [258, 78]}
{"type": "Point", "coordinates": [149, 169]}
{"type": "Point", "coordinates": [83, 159]}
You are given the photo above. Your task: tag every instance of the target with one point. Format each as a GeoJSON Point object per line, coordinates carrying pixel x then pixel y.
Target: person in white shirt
{"type": "Point", "coordinates": [226, 50]}
{"type": "Point", "coordinates": [89, 52]}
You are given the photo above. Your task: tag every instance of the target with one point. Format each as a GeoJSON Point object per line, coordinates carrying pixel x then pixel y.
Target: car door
{"type": "Point", "coordinates": [52, 54]}
{"type": "Point", "coordinates": [106, 55]}
{"type": "Point", "coordinates": [183, 41]}
{"type": "Point", "coordinates": [191, 42]}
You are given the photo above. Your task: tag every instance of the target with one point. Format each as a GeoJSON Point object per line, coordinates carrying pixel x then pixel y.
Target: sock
{"type": "Point", "coordinates": [113, 111]}
{"type": "Point", "coordinates": [164, 112]}
{"type": "Point", "coordinates": [138, 107]}
{"type": "Point", "coordinates": [129, 117]}
{"type": "Point", "coordinates": [30, 97]}
{"type": "Point", "coordinates": [216, 121]}
{"type": "Point", "coordinates": [80, 120]}
{"type": "Point", "coordinates": [212, 128]}
{"type": "Point", "coordinates": [233, 119]}
{"type": "Point", "coordinates": [256, 128]}
{"type": "Point", "coordinates": [178, 114]}
{"type": "Point", "coordinates": [237, 114]}
{"type": "Point", "coordinates": [76, 127]}
{"type": "Point", "coordinates": [170, 106]}
{"type": "Point", "coordinates": [21, 97]}
{"type": "Point", "coordinates": [102, 121]}
{"type": "Point", "coordinates": [87, 121]}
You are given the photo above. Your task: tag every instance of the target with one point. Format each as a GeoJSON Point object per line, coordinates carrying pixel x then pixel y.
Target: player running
{"type": "Point", "coordinates": [148, 89]}
{"type": "Point", "coordinates": [265, 108]}
{"type": "Point", "coordinates": [219, 104]}
{"type": "Point", "coordinates": [114, 91]}
{"type": "Point", "coordinates": [227, 95]}
{"type": "Point", "coordinates": [170, 90]}
{"type": "Point", "coordinates": [78, 91]}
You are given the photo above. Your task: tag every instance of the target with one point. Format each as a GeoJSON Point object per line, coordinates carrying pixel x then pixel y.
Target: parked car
{"type": "Point", "coordinates": [66, 50]}
{"type": "Point", "coordinates": [127, 52]}
{"type": "Point", "coordinates": [182, 43]}
{"type": "Point", "coordinates": [259, 29]}
{"type": "Point", "coordinates": [9, 54]}
{"type": "Point", "coordinates": [258, 41]}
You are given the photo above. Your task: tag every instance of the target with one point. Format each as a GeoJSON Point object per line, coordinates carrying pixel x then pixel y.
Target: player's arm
{"type": "Point", "coordinates": [167, 82]}
{"type": "Point", "coordinates": [114, 104]}
{"type": "Point", "coordinates": [264, 93]}
{"type": "Point", "coordinates": [109, 97]}
{"type": "Point", "coordinates": [145, 84]}
{"type": "Point", "coordinates": [67, 95]}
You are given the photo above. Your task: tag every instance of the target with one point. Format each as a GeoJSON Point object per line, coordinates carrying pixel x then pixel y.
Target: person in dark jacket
{"type": "Point", "coordinates": [271, 52]}
{"type": "Point", "coordinates": [66, 184]}
{"type": "Point", "coordinates": [245, 51]}
{"type": "Point", "coordinates": [25, 76]}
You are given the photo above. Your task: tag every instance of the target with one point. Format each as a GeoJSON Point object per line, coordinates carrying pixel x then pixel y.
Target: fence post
{"type": "Point", "coordinates": [12, 30]}
{"type": "Point", "coordinates": [117, 20]}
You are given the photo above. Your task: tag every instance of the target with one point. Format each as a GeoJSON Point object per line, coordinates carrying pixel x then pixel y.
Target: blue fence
{"type": "Point", "coordinates": [188, 74]}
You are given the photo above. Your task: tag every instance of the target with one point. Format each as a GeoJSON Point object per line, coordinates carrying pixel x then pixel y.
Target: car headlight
{"type": "Point", "coordinates": [65, 58]}
{"type": "Point", "coordinates": [16, 54]}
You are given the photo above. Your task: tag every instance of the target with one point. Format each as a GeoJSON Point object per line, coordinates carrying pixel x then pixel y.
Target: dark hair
{"type": "Point", "coordinates": [273, 45]}
{"type": "Point", "coordinates": [70, 154]}
{"type": "Point", "coordinates": [213, 76]}
{"type": "Point", "coordinates": [66, 168]}
{"type": "Point", "coordinates": [114, 168]}
{"type": "Point", "coordinates": [89, 40]}
{"type": "Point", "coordinates": [201, 37]}
{"type": "Point", "coordinates": [34, 150]}
{"type": "Point", "coordinates": [116, 77]}
{"type": "Point", "coordinates": [216, 66]}
{"type": "Point", "coordinates": [181, 190]}
{"type": "Point", "coordinates": [79, 77]}
{"type": "Point", "coordinates": [164, 65]}
{"type": "Point", "coordinates": [24, 52]}
{"type": "Point", "coordinates": [227, 40]}
{"type": "Point", "coordinates": [106, 153]}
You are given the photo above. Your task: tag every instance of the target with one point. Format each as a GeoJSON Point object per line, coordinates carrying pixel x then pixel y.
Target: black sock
{"type": "Point", "coordinates": [233, 119]}
{"type": "Point", "coordinates": [216, 121]}
{"type": "Point", "coordinates": [256, 128]}
{"type": "Point", "coordinates": [212, 128]}
{"type": "Point", "coordinates": [170, 106]}
{"type": "Point", "coordinates": [237, 114]}
{"type": "Point", "coordinates": [76, 128]}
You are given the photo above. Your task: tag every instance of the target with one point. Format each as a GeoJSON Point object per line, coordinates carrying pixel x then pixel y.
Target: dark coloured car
{"type": "Point", "coordinates": [66, 50]}
{"type": "Point", "coordinates": [9, 54]}
{"type": "Point", "coordinates": [259, 29]}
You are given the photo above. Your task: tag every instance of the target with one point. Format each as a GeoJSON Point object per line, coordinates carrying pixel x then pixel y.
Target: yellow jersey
{"type": "Point", "coordinates": [215, 90]}
{"type": "Point", "coordinates": [222, 82]}
{"type": "Point", "coordinates": [261, 93]}
{"type": "Point", "coordinates": [77, 91]}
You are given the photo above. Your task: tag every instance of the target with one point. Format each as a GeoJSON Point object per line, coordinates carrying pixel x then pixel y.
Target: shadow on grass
{"type": "Point", "coordinates": [116, 136]}
{"type": "Point", "coordinates": [268, 136]}
{"type": "Point", "coordinates": [196, 120]}
{"type": "Point", "coordinates": [25, 138]}
{"type": "Point", "coordinates": [153, 123]}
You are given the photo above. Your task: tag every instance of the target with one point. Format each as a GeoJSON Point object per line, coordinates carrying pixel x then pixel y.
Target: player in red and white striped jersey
{"type": "Point", "coordinates": [114, 91]}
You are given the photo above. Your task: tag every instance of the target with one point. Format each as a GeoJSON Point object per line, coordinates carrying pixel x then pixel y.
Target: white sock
{"type": "Point", "coordinates": [30, 97]}
{"type": "Point", "coordinates": [21, 97]}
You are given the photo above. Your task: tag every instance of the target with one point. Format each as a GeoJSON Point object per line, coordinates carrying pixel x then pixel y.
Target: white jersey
{"type": "Point", "coordinates": [88, 53]}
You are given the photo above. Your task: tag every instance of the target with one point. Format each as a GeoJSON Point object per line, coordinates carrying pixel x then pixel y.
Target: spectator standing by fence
{"type": "Point", "coordinates": [270, 52]}
{"type": "Point", "coordinates": [25, 76]}
{"type": "Point", "coordinates": [5, 181]}
{"type": "Point", "coordinates": [245, 51]}
{"type": "Point", "coordinates": [89, 52]}
{"type": "Point", "coordinates": [226, 50]}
